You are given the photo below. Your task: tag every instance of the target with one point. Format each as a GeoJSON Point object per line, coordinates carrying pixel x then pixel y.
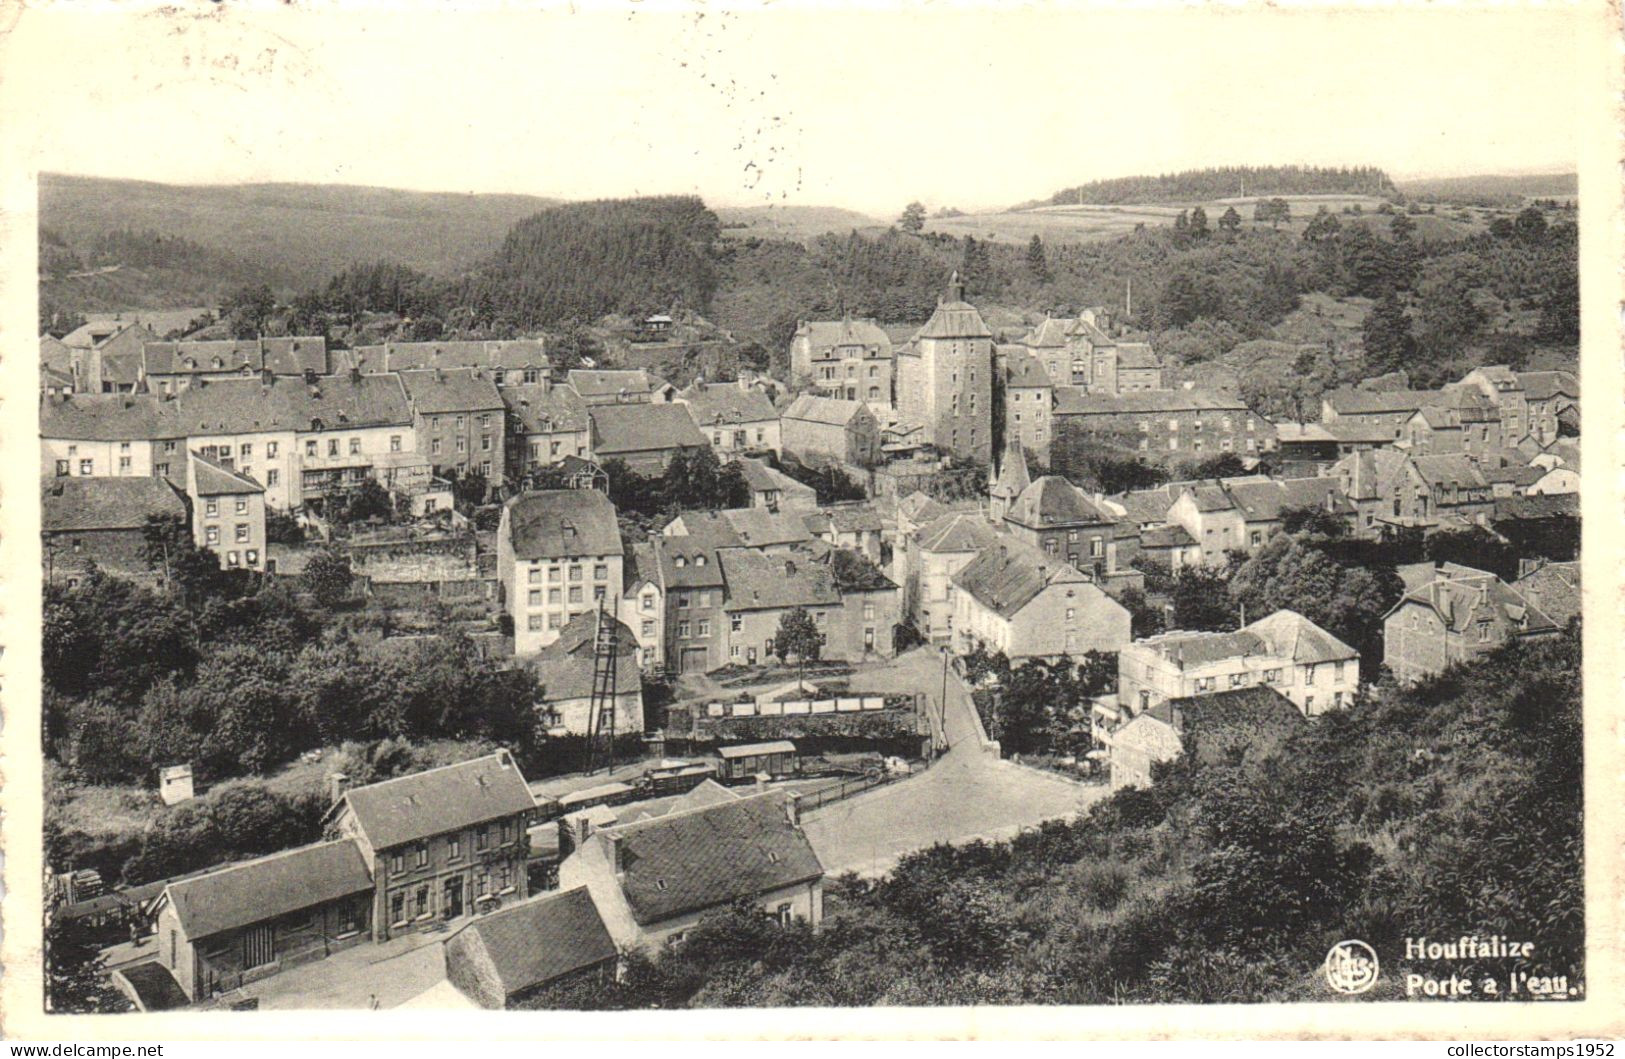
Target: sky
{"type": "Point", "coordinates": [951, 104]}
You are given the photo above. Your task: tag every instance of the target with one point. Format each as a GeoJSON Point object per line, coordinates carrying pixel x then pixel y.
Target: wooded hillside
{"type": "Point", "coordinates": [1204, 185]}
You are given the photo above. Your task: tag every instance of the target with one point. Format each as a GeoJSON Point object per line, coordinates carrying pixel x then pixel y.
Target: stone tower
{"type": "Point", "coordinates": [945, 378]}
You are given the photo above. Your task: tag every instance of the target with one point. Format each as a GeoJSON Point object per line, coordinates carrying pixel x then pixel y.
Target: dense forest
{"type": "Point", "coordinates": [1227, 881]}
{"type": "Point", "coordinates": [1205, 185]}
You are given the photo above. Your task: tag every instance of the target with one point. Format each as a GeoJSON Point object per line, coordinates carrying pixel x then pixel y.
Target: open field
{"type": "Point", "coordinates": [792, 222]}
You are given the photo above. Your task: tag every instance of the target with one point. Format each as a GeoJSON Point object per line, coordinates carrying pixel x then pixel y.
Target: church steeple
{"type": "Point", "coordinates": [1011, 481]}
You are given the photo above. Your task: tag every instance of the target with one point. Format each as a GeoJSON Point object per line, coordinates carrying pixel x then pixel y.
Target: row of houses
{"type": "Point", "coordinates": [449, 848]}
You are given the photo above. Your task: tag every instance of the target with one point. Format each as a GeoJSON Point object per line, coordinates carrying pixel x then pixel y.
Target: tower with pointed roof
{"type": "Point", "coordinates": [1009, 481]}
{"type": "Point", "coordinates": [945, 378]}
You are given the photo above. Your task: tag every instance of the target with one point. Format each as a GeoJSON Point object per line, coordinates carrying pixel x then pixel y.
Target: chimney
{"type": "Point", "coordinates": [792, 808]}
{"type": "Point", "coordinates": [547, 382]}
{"type": "Point", "coordinates": [310, 376]}
{"type": "Point", "coordinates": [337, 784]}
{"type": "Point", "coordinates": [355, 375]}
{"type": "Point", "coordinates": [789, 568]}
{"type": "Point", "coordinates": [266, 376]}
{"type": "Point", "coordinates": [761, 779]}
{"type": "Point", "coordinates": [616, 852]}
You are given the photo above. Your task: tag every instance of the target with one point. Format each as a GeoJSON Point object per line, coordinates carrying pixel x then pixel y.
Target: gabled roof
{"type": "Point", "coordinates": [256, 890]}
{"type": "Point", "coordinates": [1554, 588]}
{"type": "Point", "coordinates": [1265, 500]}
{"type": "Point", "coordinates": [543, 408]}
{"type": "Point", "coordinates": [685, 562]}
{"type": "Point", "coordinates": [282, 356]}
{"type": "Point", "coordinates": [209, 478]}
{"type": "Point", "coordinates": [1141, 506]}
{"type": "Point", "coordinates": [1166, 537]}
{"type": "Point", "coordinates": [772, 582]}
{"type": "Point", "coordinates": [1054, 501]}
{"type": "Point", "coordinates": [1544, 385]}
{"type": "Point", "coordinates": [1071, 400]}
{"type": "Point", "coordinates": [1288, 634]}
{"type": "Point", "coordinates": [1338, 430]}
{"type": "Point", "coordinates": [1025, 370]}
{"type": "Point", "coordinates": [638, 428]}
{"type": "Point", "coordinates": [1368, 402]}
{"type": "Point", "coordinates": [439, 800]}
{"type": "Point", "coordinates": [553, 523]}
{"type": "Point", "coordinates": [1249, 707]}
{"type": "Point", "coordinates": [954, 319]}
{"type": "Point", "coordinates": [1453, 468]}
{"type": "Point", "coordinates": [1007, 576]}
{"type": "Point", "coordinates": [337, 402]}
{"type": "Point", "coordinates": [1462, 596]}
{"type": "Point", "coordinates": [68, 504]}
{"type": "Point", "coordinates": [956, 531]}
{"type": "Point", "coordinates": [827, 334]}
{"type": "Point", "coordinates": [1051, 333]}
{"type": "Point", "coordinates": [565, 667]}
{"type": "Point", "coordinates": [1136, 355]}
{"type": "Point", "coordinates": [593, 382]}
{"type": "Point", "coordinates": [536, 941]}
{"type": "Point", "coordinates": [689, 861]}
{"type": "Point", "coordinates": [761, 479]}
{"type": "Point", "coordinates": [828, 410]}
{"type": "Point", "coordinates": [510, 355]}
{"type": "Point", "coordinates": [434, 390]}
{"type": "Point", "coordinates": [843, 518]}
{"type": "Point", "coordinates": [722, 403]}
{"type": "Point", "coordinates": [1542, 505]}
{"type": "Point", "coordinates": [752, 527]}
{"type": "Point", "coordinates": [109, 417]}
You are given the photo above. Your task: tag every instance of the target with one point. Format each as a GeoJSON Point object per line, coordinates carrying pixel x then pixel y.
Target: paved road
{"type": "Point", "coordinates": [967, 794]}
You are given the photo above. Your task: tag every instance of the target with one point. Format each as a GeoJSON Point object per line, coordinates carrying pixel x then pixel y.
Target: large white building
{"type": "Point", "coordinates": [558, 554]}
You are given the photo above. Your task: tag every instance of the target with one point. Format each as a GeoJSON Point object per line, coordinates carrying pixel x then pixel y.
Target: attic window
{"type": "Point", "coordinates": [660, 884]}
{"type": "Point", "coordinates": [772, 856]}
{"type": "Point", "coordinates": [699, 560]}
{"type": "Point", "coordinates": [681, 561]}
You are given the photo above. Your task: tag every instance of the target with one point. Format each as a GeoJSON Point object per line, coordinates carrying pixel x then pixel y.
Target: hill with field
{"type": "Point", "coordinates": [792, 222]}
{"type": "Point", "coordinates": [292, 236]}
{"type": "Point", "coordinates": [1217, 183]}
{"type": "Point", "coordinates": [1494, 189]}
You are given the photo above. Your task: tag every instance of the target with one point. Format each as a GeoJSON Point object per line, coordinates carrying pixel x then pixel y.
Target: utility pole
{"type": "Point", "coordinates": [942, 703]}
{"type": "Point", "coordinates": [601, 715]}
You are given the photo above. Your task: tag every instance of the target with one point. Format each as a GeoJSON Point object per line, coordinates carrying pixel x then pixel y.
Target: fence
{"type": "Point", "coordinates": [844, 789]}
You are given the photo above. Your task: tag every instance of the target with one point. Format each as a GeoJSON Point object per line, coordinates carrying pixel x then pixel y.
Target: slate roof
{"type": "Point", "coordinates": [510, 355]}
{"type": "Point", "coordinates": [827, 410]}
{"type": "Point", "coordinates": [209, 478]}
{"type": "Point", "coordinates": [1133, 355]}
{"type": "Point", "coordinates": [68, 504]}
{"type": "Point", "coordinates": [634, 428]}
{"type": "Point", "coordinates": [1025, 370]}
{"type": "Point", "coordinates": [592, 382]}
{"type": "Point", "coordinates": [1166, 537]}
{"type": "Point", "coordinates": [1051, 333]}
{"type": "Point", "coordinates": [1054, 501]}
{"type": "Point", "coordinates": [1256, 704]}
{"type": "Point", "coordinates": [1284, 634]}
{"type": "Point", "coordinates": [1007, 576]}
{"type": "Point", "coordinates": [1463, 596]}
{"type": "Point", "coordinates": [1554, 588]}
{"type": "Point", "coordinates": [433, 390]}
{"type": "Point", "coordinates": [956, 532]}
{"type": "Point", "coordinates": [1263, 501]}
{"type": "Point", "coordinates": [256, 890]}
{"type": "Point", "coordinates": [1368, 402]}
{"type": "Point", "coordinates": [1454, 468]}
{"type": "Point", "coordinates": [1071, 400]}
{"type": "Point", "coordinates": [109, 417]}
{"type": "Point", "coordinates": [743, 528]}
{"type": "Point", "coordinates": [699, 569]}
{"type": "Point", "coordinates": [1338, 430]}
{"type": "Point", "coordinates": [1084, 329]}
{"type": "Point", "coordinates": [1544, 505]}
{"type": "Point", "coordinates": [439, 800]}
{"type": "Point", "coordinates": [536, 941]}
{"type": "Point", "coordinates": [155, 986]}
{"type": "Point", "coordinates": [340, 402]}
{"type": "Point", "coordinates": [545, 409]}
{"type": "Point", "coordinates": [761, 478]}
{"type": "Point", "coordinates": [954, 319]}
{"type": "Point", "coordinates": [772, 582]}
{"type": "Point", "coordinates": [724, 402]}
{"type": "Point", "coordinates": [553, 523]}
{"type": "Point", "coordinates": [94, 332]}
{"type": "Point", "coordinates": [1145, 505]}
{"type": "Point", "coordinates": [1518, 475]}
{"type": "Point", "coordinates": [1544, 385]}
{"type": "Point", "coordinates": [843, 518]}
{"type": "Point", "coordinates": [292, 355]}
{"type": "Point", "coordinates": [827, 334]}
{"type": "Point", "coordinates": [565, 666]}
{"type": "Point", "coordinates": [55, 354]}
{"type": "Point", "coordinates": [689, 861]}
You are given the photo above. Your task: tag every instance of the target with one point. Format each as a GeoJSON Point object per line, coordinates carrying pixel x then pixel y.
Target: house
{"type": "Point", "coordinates": [927, 560]}
{"type": "Point", "coordinates": [105, 356]}
{"type": "Point", "coordinates": [1067, 524]}
{"type": "Point", "coordinates": [1548, 395]}
{"type": "Point", "coordinates": [1079, 352]}
{"type": "Point", "coordinates": [643, 604]}
{"type": "Point", "coordinates": [689, 574]}
{"type": "Point", "coordinates": [871, 606]}
{"type": "Point", "coordinates": [546, 424]}
{"type": "Point", "coordinates": [747, 527]}
{"type": "Point", "coordinates": [416, 564]}
{"type": "Point", "coordinates": [565, 669]}
{"type": "Point", "coordinates": [237, 924]}
{"type": "Point", "coordinates": [1556, 481]}
{"type": "Point", "coordinates": [646, 437]}
{"type": "Point", "coordinates": [441, 843]}
{"type": "Point", "coordinates": [773, 490]}
{"type": "Point", "coordinates": [1246, 724]}
{"type": "Point", "coordinates": [1503, 389]}
{"type": "Point", "coordinates": [1551, 588]}
{"type": "Point", "coordinates": [1051, 345]}
{"type": "Point", "coordinates": [602, 387]}
{"type": "Point", "coordinates": [559, 553]}
{"type": "Point", "coordinates": [735, 417]}
{"type": "Point", "coordinates": [1019, 600]}
{"type": "Point", "coordinates": [762, 589]}
{"type": "Point", "coordinates": [1171, 547]}
{"type": "Point", "coordinates": [1394, 493]}
{"type": "Point", "coordinates": [228, 513]}
{"type": "Point", "coordinates": [1138, 368]}
{"type": "Point", "coordinates": [102, 521]}
{"type": "Point", "coordinates": [56, 367]}
{"type": "Point", "coordinates": [1458, 615]}
{"type": "Point", "coordinates": [1384, 408]}
{"type": "Point", "coordinates": [1325, 443]}
{"type": "Point", "coordinates": [170, 367]}
{"type": "Point", "coordinates": [1460, 419]}
{"type": "Point", "coordinates": [1156, 425]}
{"type": "Point", "coordinates": [854, 526]}
{"type": "Point", "coordinates": [1241, 514]}
{"type": "Point", "coordinates": [1284, 651]}
{"type": "Point", "coordinates": [305, 439]}
{"type": "Point", "coordinates": [511, 362]}
{"type": "Point", "coordinates": [1029, 393]}
{"type": "Point", "coordinates": [460, 421]}
{"type": "Point", "coordinates": [822, 427]}
{"type": "Point", "coordinates": [653, 880]}
{"type": "Point", "coordinates": [513, 954]}
{"type": "Point", "coordinates": [846, 359]}
{"type": "Point", "coordinates": [945, 378]}
{"type": "Point", "coordinates": [110, 435]}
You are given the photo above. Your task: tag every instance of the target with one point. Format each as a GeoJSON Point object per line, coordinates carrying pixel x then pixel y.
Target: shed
{"type": "Point", "coordinates": [744, 761]}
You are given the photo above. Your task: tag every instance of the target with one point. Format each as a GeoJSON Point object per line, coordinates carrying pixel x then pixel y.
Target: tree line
{"type": "Point", "coordinates": [1230, 181]}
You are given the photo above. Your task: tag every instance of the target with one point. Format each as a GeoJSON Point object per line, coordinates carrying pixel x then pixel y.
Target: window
{"type": "Point", "coordinates": [434, 422]}
{"type": "Point", "coordinates": [485, 468]}
{"type": "Point", "coordinates": [575, 593]}
{"type": "Point", "coordinates": [1257, 538]}
{"type": "Point", "coordinates": [394, 443]}
{"type": "Point", "coordinates": [682, 600]}
{"type": "Point", "coordinates": [211, 507]}
{"type": "Point", "coordinates": [1483, 632]}
{"type": "Point", "coordinates": [270, 449]}
{"type": "Point", "coordinates": [481, 838]}
{"type": "Point", "coordinates": [211, 535]}
{"type": "Point", "coordinates": [1071, 614]}
{"type": "Point", "coordinates": [704, 627]}
{"type": "Point", "coordinates": [124, 465]}
{"type": "Point", "coordinates": [554, 597]}
{"type": "Point", "coordinates": [868, 612]}
{"type": "Point", "coordinates": [535, 623]}
{"type": "Point", "coordinates": [460, 420]}
{"type": "Point", "coordinates": [332, 446]}
{"type": "Point", "coordinates": [682, 629]}
{"type": "Point", "coordinates": [85, 467]}
{"type": "Point", "coordinates": [253, 556]}
{"type": "Point", "coordinates": [397, 908]}
{"type": "Point", "coordinates": [736, 623]}
{"type": "Point", "coordinates": [1309, 673]}
{"type": "Point", "coordinates": [462, 443]}
{"type": "Point", "coordinates": [597, 592]}
{"type": "Point", "coordinates": [61, 468]}
{"type": "Point", "coordinates": [1238, 679]}
{"type": "Point", "coordinates": [648, 630]}
{"type": "Point", "coordinates": [1071, 536]}
{"type": "Point", "coordinates": [434, 446]}
{"type": "Point", "coordinates": [1173, 424]}
{"type": "Point", "coordinates": [1097, 547]}
{"type": "Point", "coordinates": [231, 559]}
{"type": "Point", "coordinates": [162, 469]}
{"type": "Point", "coordinates": [310, 447]}
{"type": "Point", "coordinates": [600, 572]}
{"type": "Point", "coordinates": [242, 505]}
{"type": "Point", "coordinates": [242, 533]}
{"type": "Point", "coordinates": [397, 864]}
{"type": "Point", "coordinates": [423, 856]}
{"type": "Point", "coordinates": [485, 443]}
{"type": "Point", "coordinates": [535, 599]}
{"type": "Point", "coordinates": [1309, 704]}
{"type": "Point", "coordinates": [422, 901]}
{"type": "Point", "coordinates": [575, 572]}
{"type": "Point", "coordinates": [1339, 671]}
{"type": "Point", "coordinates": [649, 602]}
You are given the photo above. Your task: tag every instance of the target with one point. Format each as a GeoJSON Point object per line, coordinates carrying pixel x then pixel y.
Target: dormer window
{"type": "Point", "coordinates": [699, 560]}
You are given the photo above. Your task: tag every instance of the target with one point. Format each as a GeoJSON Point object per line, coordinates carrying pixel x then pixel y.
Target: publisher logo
{"type": "Point", "coordinates": [1351, 967]}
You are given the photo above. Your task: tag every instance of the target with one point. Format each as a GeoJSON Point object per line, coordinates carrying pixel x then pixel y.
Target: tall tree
{"type": "Point", "coordinates": [1199, 228]}
{"type": "Point", "coordinates": [1230, 221]}
{"type": "Point", "coordinates": [913, 218]}
{"type": "Point", "coordinates": [1037, 260]}
{"type": "Point", "coordinates": [1389, 344]}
